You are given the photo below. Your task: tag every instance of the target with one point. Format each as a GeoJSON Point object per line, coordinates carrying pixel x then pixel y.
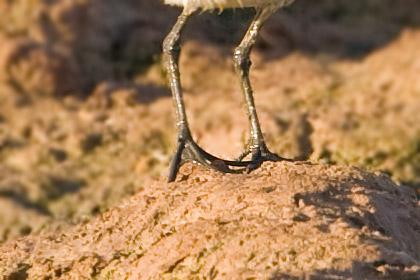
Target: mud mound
{"type": "Point", "coordinates": [68, 159]}
{"type": "Point", "coordinates": [282, 221]}
{"type": "Point", "coordinates": [336, 82]}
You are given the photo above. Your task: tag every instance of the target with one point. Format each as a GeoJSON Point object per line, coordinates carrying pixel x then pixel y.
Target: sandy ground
{"type": "Point", "coordinates": [86, 118]}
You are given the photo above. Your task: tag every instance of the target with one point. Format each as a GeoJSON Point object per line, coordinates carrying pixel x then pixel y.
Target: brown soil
{"type": "Point", "coordinates": [284, 221]}
{"type": "Point", "coordinates": [86, 118]}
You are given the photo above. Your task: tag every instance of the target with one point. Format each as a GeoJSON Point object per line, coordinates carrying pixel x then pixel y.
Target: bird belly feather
{"type": "Point", "coordinates": [192, 5]}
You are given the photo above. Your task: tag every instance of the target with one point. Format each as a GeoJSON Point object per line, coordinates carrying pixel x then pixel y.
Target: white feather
{"type": "Point", "coordinates": [193, 5]}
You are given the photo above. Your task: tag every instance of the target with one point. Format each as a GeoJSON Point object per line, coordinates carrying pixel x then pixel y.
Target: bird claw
{"type": "Point", "coordinates": [260, 153]}
{"type": "Point", "coordinates": [188, 150]}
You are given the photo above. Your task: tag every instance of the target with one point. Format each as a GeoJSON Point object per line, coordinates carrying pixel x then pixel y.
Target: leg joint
{"type": "Point", "coordinates": [241, 59]}
{"type": "Point", "coordinates": [171, 46]}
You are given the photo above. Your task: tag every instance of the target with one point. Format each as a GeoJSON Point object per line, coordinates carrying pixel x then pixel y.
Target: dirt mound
{"type": "Point", "coordinates": [97, 40]}
{"type": "Point", "coordinates": [67, 159]}
{"type": "Point", "coordinates": [282, 221]}
{"type": "Point", "coordinates": [336, 82]}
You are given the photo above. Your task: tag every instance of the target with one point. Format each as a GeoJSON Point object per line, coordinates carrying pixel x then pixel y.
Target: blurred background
{"type": "Point", "coordinates": [86, 118]}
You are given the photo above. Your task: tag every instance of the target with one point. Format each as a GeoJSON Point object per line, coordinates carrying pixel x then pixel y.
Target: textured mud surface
{"type": "Point", "coordinates": [284, 221]}
{"type": "Point", "coordinates": [86, 119]}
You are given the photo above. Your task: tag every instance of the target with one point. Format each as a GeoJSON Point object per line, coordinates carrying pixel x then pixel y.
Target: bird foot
{"type": "Point", "coordinates": [188, 150]}
{"type": "Point", "coordinates": [260, 153]}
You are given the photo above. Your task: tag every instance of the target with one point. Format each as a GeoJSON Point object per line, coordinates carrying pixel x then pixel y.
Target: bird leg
{"type": "Point", "coordinates": [256, 145]}
{"type": "Point", "coordinates": [187, 149]}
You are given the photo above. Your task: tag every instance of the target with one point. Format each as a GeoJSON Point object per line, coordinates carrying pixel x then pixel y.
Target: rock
{"type": "Point", "coordinates": [283, 221]}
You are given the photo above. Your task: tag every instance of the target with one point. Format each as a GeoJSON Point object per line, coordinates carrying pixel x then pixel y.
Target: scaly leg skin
{"type": "Point", "coordinates": [187, 149]}
{"type": "Point", "coordinates": [256, 145]}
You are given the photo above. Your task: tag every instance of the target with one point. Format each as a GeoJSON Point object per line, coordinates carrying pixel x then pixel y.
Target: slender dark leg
{"type": "Point", "coordinates": [187, 149]}
{"type": "Point", "coordinates": [256, 145]}
{"type": "Point", "coordinates": [171, 50]}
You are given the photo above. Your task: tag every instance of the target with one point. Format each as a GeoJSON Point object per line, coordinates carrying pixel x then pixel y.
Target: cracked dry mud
{"type": "Point", "coordinates": [284, 221]}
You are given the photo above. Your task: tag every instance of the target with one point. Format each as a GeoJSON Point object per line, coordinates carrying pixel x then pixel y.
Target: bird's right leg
{"type": "Point", "coordinates": [187, 149]}
{"type": "Point", "coordinates": [256, 145]}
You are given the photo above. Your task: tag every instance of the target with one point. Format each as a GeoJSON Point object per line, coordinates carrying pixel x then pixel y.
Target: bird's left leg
{"type": "Point", "coordinates": [187, 149]}
{"type": "Point", "coordinates": [256, 145]}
